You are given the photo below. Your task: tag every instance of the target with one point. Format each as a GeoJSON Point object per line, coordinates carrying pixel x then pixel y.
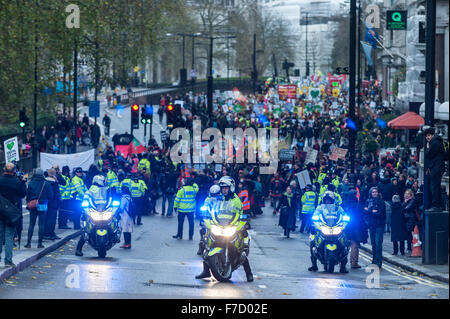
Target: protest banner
{"type": "Point", "coordinates": [83, 160]}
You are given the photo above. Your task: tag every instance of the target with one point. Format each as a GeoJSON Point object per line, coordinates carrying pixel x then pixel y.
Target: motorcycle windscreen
{"type": "Point", "coordinates": [225, 218]}
{"type": "Point", "coordinates": [330, 217]}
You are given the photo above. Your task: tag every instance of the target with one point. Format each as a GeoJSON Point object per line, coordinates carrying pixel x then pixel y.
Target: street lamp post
{"type": "Point", "coordinates": [351, 104]}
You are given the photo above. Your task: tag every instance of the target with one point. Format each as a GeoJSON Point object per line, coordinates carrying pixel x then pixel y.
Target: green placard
{"type": "Point", "coordinates": [335, 83]}
{"type": "Point", "coordinates": [396, 19]}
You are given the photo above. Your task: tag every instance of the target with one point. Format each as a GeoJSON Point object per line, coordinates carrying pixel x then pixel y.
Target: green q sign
{"type": "Point", "coordinates": [396, 20]}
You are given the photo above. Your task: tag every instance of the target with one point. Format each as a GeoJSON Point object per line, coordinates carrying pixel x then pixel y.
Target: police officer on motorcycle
{"type": "Point", "coordinates": [210, 203]}
{"type": "Point", "coordinates": [227, 186]}
{"type": "Point", "coordinates": [328, 206]}
{"type": "Point", "coordinates": [98, 192]}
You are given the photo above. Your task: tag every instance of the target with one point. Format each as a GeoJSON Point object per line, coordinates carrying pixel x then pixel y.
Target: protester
{"type": "Point", "coordinates": [13, 189]}
{"type": "Point", "coordinates": [41, 191]}
{"type": "Point", "coordinates": [287, 207]}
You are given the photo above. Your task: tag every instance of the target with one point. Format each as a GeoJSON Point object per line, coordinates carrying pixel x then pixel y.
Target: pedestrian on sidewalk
{"type": "Point", "coordinates": [38, 189]}
{"type": "Point", "coordinates": [398, 226]}
{"type": "Point", "coordinates": [53, 206]}
{"type": "Point", "coordinates": [126, 217]}
{"type": "Point", "coordinates": [375, 211]}
{"type": "Point", "coordinates": [13, 189]}
{"type": "Point", "coordinates": [411, 216]}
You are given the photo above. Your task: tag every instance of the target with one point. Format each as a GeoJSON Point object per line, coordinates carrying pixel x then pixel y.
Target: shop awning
{"type": "Point", "coordinates": [407, 121]}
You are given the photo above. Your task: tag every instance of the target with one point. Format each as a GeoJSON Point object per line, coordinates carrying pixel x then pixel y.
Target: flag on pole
{"type": "Point", "coordinates": [371, 36]}
{"type": "Point", "coordinates": [368, 51]}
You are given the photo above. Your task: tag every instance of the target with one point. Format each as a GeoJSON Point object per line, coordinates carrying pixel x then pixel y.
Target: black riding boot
{"type": "Point", "coordinates": [248, 270]}
{"type": "Point", "coordinates": [80, 245]}
{"type": "Point", "coordinates": [343, 269]}
{"type": "Point", "coordinates": [314, 264]}
{"type": "Point", "coordinates": [200, 248]}
{"type": "Point", "coordinates": [205, 273]}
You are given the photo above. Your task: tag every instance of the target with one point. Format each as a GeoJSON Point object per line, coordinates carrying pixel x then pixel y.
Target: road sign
{"type": "Point", "coordinates": [396, 19]}
{"type": "Point", "coordinates": [94, 108]}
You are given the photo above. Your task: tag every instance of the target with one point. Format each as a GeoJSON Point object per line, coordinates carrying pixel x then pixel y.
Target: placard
{"type": "Point", "coordinates": [287, 155]}
{"type": "Point", "coordinates": [303, 179]}
{"type": "Point", "coordinates": [11, 147]}
{"type": "Point", "coordinates": [338, 153]}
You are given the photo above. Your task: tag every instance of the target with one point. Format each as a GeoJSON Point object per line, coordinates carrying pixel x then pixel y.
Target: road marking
{"type": "Point", "coordinates": [262, 286]}
{"type": "Point", "coordinates": [396, 272]}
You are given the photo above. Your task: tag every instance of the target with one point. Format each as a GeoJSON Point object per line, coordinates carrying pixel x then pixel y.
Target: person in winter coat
{"type": "Point", "coordinates": [126, 218]}
{"type": "Point", "coordinates": [375, 210]}
{"type": "Point", "coordinates": [356, 229]}
{"type": "Point", "coordinates": [409, 210]}
{"type": "Point", "coordinates": [386, 190]}
{"type": "Point", "coordinates": [53, 205]}
{"type": "Point", "coordinates": [398, 226]}
{"type": "Point", "coordinates": [287, 207]}
{"type": "Point", "coordinates": [435, 168]}
{"type": "Point", "coordinates": [14, 189]}
{"type": "Point", "coordinates": [40, 189]}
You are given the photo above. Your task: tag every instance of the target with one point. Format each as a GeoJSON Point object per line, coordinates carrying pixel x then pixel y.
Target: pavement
{"type": "Point", "coordinates": [410, 264]}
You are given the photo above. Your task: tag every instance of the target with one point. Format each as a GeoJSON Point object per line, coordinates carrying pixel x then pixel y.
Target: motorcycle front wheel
{"type": "Point", "coordinates": [101, 252]}
{"type": "Point", "coordinates": [221, 271]}
{"type": "Point", "coordinates": [331, 262]}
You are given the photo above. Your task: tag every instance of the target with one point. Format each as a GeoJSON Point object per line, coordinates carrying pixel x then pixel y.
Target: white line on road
{"type": "Point", "coordinates": [396, 272]}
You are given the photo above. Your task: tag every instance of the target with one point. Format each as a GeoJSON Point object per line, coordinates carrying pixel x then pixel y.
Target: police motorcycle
{"type": "Point", "coordinates": [227, 243]}
{"type": "Point", "coordinates": [209, 206]}
{"type": "Point", "coordinates": [101, 221]}
{"type": "Point", "coordinates": [328, 240]}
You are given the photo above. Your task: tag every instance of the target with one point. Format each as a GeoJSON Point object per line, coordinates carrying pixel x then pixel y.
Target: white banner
{"type": "Point", "coordinates": [303, 179]}
{"type": "Point", "coordinates": [11, 147]}
{"type": "Point", "coordinates": [311, 155]}
{"type": "Point", "coordinates": [83, 160]}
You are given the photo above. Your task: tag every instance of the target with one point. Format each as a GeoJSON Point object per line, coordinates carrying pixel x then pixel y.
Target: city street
{"type": "Point", "coordinates": [159, 266]}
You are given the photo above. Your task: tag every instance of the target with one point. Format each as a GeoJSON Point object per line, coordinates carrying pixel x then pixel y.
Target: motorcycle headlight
{"type": "Point", "coordinates": [228, 231]}
{"type": "Point", "coordinates": [101, 216]}
{"type": "Point", "coordinates": [204, 208]}
{"type": "Point", "coordinates": [346, 218]}
{"type": "Point", "coordinates": [116, 203]}
{"type": "Point", "coordinates": [85, 204]}
{"type": "Point", "coordinates": [331, 230]}
{"type": "Point", "coordinates": [315, 218]}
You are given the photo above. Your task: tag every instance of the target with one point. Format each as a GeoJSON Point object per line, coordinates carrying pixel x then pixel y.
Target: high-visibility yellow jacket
{"type": "Point", "coordinates": [78, 187]}
{"type": "Point", "coordinates": [137, 189]}
{"type": "Point", "coordinates": [185, 199]}
{"type": "Point", "coordinates": [144, 163]}
{"type": "Point", "coordinates": [66, 190]}
{"type": "Point", "coordinates": [309, 201]}
{"type": "Point", "coordinates": [126, 182]}
{"type": "Point", "coordinates": [112, 180]}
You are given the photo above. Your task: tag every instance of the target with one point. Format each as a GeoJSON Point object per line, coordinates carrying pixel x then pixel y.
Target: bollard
{"type": "Point", "coordinates": [435, 246]}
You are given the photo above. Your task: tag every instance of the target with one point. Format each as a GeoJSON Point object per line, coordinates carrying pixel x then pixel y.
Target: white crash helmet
{"type": "Point", "coordinates": [227, 181]}
{"type": "Point", "coordinates": [214, 190]}
{"type": "Point", "coordinates": [99, 180]}
{"type": "Point", "coordinates": [328, 195]}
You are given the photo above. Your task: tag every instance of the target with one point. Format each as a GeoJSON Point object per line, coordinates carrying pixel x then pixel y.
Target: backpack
{"type": "Point", "coordinates": [9, 211]}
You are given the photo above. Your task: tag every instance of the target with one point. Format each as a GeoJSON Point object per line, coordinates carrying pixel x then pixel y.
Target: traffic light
{"type": "Point", "coordinates": [147, 114]}
{"type": "Point", "coordinates": [23, 119]}
{"type": "Point", "coordinates": [135, 116]}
